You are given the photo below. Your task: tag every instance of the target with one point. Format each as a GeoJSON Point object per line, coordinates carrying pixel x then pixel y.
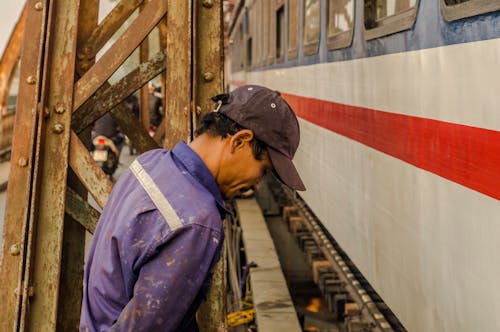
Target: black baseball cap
{"type": "Point", "coordinates": [272, 121]}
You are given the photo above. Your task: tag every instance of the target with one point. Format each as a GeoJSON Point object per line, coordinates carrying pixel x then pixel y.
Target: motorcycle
{"type": "Point", "coordinates": [105, 153]}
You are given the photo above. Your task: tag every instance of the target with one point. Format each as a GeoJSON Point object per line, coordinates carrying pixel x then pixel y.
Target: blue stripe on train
{"type": "Point", "coordinates": [429, 31]}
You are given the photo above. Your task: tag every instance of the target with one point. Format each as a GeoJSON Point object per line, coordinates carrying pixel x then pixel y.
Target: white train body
{"type": "Point", "coordinates": [400, 145]}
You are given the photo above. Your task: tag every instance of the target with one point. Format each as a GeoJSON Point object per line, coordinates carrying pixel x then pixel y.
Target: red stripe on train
{"type": "Point", "coordinates": [466, 155]}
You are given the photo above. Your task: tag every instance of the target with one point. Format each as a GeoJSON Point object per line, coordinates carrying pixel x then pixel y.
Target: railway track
{"type": "Point", "coordinates": [350, 298]}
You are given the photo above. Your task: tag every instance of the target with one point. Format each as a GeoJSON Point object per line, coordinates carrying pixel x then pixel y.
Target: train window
{"type": "Point", "coordinates": [249, 52]}
{"type": "Point", "coordinates": [280, 32]}
{"type": "Point", "coordinates": [383, 17]}
{"type": "Point", "coordinates": [311, 26]}
{"type": "Point", "coordinates": [340, 23]}
{"type": "Point", "coordinates": [265, 32]}
{"type": "Point", "coordinates": [457, 9]}
{"type": "Point", "coordinates": [293, 29]}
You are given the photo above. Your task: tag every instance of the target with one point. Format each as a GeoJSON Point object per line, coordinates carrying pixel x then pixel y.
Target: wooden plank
{"type": "Point", "coordinates": [274, 309]}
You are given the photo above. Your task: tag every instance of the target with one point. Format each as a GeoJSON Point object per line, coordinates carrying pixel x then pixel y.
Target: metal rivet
{"type": "Point", "coordinates": [198, 110]}
{"type": "Point", "coordinates": [59, 109]}
{"type": "Point", "coordinates": [38, 6]}
{"type": "Point", "coordinates": [31, 291]}
{"type": "Point", "coordinates": [31, 80]}
{"type": "Point", "coordinates": [23, 162]}
{"type": "Point", "coordinates": [208, 3]}
{"type": "Point", "coordinates": [208, 76]}
{"type": "Point", "coordinates": [14, 250]}
{"type": "Point", "coordinates": [58, 128]}
{"type": "Point", "coordinates": [80, 56]}
{"type": "Point", "coordinates": [273, 105]}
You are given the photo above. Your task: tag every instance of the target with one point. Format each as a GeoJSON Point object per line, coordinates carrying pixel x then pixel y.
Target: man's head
{"type": "Point", "coordinates": [260, 119]}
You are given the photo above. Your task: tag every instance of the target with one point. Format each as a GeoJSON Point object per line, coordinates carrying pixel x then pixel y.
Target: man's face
{"type": "Point", "coordinates": [241, 170]}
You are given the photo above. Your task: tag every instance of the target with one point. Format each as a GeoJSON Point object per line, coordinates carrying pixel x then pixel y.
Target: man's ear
{"type": "Point", "coordinates": [239, 139]}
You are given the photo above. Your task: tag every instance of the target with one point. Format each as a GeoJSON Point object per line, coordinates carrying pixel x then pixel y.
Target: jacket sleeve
{"type": "Point", "coordinates": [169, 282]}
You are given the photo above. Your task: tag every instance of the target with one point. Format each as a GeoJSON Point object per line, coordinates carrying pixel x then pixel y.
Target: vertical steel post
{"type": "Point", "coordinates": [208, 81]}
{"type": "Point", "coordinates": [73, 252]}
{"type": "Point", "coordinates": [41, 284]}
{"type": "Point", "coordinates": [19, 189]}
{"type": "Point", "coordinates": [178, 84]}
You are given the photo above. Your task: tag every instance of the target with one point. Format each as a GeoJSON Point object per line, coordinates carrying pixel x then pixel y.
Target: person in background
{"type": "Point", "coordinates": [160, 233]}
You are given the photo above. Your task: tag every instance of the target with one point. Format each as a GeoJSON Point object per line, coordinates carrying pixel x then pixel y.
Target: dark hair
{"type": "Point", "coordinates": [217, 124]}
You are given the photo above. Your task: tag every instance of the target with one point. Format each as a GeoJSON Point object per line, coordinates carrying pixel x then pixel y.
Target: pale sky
{"type": "Point", "coordinates": [11, 10]}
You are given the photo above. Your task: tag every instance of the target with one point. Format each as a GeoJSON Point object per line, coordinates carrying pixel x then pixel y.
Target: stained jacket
{"type": "Point", "coordinates": [146, 273]}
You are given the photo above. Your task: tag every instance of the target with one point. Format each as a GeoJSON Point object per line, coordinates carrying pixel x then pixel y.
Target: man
{"type": "Point", "coordinates": [160, 232]}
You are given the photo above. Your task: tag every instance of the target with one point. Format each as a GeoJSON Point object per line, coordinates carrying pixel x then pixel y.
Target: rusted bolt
{"type": "Point", "coordinates": [30, 80]}
{"type": "Point", "coordinates": [14, 250]}
{"type": "Point", "coordinates": [31, 291]}
{"type": "Point", "coordinates": [38, 5]}
{"type": "Point", "coordinates": [23, 162]}
{"type": "Point", "coordinates": [208, 3]}
{"type": "Point", "coordinates": [198, 110]}
{"type": "Point", "coordinates": [208, 76]}
{"type": "Point", "coordinates": [59, 109]}
{"type": "Point", "coordinates": [81, 56]}
{"type": "Point", "coordinates": [58, 128]}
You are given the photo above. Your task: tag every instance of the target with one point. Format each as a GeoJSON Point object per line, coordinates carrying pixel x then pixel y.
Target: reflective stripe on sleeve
{"type": "Point", "coordinates": [156, 195]}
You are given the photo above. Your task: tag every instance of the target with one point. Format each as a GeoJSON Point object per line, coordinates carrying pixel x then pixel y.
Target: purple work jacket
{"type": "Point", "coordinates": [141, 273]}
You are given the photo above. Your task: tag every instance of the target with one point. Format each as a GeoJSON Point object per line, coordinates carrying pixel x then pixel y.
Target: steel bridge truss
{"type": "Point", "coordinates": [64, 87]}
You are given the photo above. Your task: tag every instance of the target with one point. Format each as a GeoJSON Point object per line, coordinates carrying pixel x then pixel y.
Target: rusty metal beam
{"type": "Point", "coordinates": [81, 211]}
{"type": "Point", "coordinates": [73, 253]}
{"type": "Point", "coordinates": [178, 78]}
{"type": "Point", "coordinates": [108, 27]}
{"type": "Point", "coordinates": [208, 77]}
{"type": "Point", "coordinates": [91, 175]}
{"type": "Point", "coordinates": [99, 73]}
{"type": "Point", "coordinates": [109, 97]}
{"type": "Point", "coordinates": [144, 91]}
{"type": "Point", "coordinates": [20, 178]}
{"type": "Point", "coordinates": [208, 81]}
{"type": "Point", "coordinates": [133, 129]}
{"type": "Point", "coordinates": [45, 242]}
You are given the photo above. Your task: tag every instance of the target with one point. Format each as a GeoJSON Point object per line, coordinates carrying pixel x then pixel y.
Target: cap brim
{"type": "Point", "coordinates": [285, 170]}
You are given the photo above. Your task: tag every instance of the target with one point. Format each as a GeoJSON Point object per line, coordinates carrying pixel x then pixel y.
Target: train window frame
{"type": "Point", "coordinates": [401, 21]}
{"type": "Point", "coordinates": [293, 10]}
{"type": "Point", "coordinates": [280, 30]}
{"type": "Point", "coordinates": [340, 40]}
{"type": "Point", "coordinates": [468, 9]}
{"type": "Point", "coordinates": [310, 48]}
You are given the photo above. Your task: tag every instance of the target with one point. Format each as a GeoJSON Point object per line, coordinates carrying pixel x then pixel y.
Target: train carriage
{"type": "Point", "coordinates": [398, 102]}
